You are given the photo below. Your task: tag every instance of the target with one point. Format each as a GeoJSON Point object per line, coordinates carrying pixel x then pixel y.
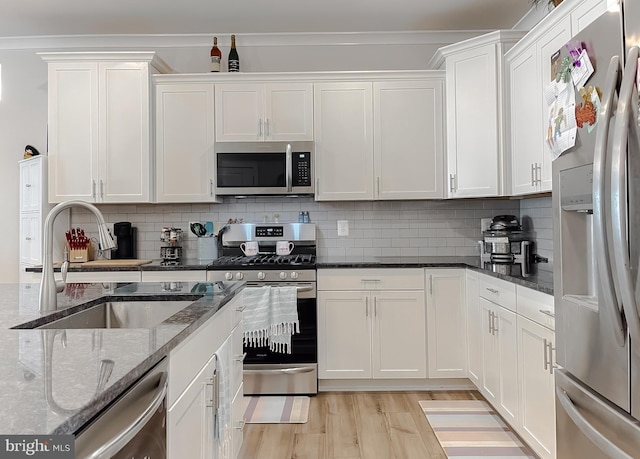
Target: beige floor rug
{"type": "Point", "coordinates": [274, 409]}
{"type": "Point", "coordinates": [472, 429]}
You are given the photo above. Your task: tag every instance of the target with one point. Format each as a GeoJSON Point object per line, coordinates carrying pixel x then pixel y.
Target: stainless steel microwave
{"type": "Point", "coordinates": [284, 172]}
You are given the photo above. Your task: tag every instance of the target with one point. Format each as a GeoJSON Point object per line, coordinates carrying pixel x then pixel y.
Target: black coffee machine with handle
{"type": "Point", "coordinates": [126, 241]}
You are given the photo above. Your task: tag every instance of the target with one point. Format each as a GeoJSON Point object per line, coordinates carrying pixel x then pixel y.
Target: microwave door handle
{"type": "Point", "coordinates": [625, 132]}
{"type": "Point", "coordinates": [289, 171]}
{"type": "Point", "coordinates": [602, 256]}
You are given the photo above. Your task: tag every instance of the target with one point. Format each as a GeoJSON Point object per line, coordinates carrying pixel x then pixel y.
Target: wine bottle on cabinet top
{"type": "Point", "coordinates": [234, 60]}
{"type": "Point", "coordinates": [216, 56]}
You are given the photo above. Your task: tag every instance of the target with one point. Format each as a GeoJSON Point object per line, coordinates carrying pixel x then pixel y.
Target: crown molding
{"type": "Point", "coordinates": [156, 41]}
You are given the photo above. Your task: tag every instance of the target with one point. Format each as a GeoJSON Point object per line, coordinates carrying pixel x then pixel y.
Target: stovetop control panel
{"type": "Point", "coordinates": [269, 231]}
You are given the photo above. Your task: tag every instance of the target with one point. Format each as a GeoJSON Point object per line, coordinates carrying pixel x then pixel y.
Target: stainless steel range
{"type": "Point", "coordinates": [265, 371]}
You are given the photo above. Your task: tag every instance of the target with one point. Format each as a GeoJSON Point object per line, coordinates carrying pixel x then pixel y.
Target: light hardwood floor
{"type": "Point", "coordinates": [354, 425]}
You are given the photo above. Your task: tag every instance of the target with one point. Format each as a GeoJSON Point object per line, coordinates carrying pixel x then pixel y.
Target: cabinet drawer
{"type": "Point", "coordinates": [371, 279]}
{"type": "Point", "coordinates": [237, 422]}
{"type": "Point", "coordinates": [498, 291]}
{"type": "Point", "coordinates": [174, 276]}
{"type": "Point", "coordinates": [536, 306]}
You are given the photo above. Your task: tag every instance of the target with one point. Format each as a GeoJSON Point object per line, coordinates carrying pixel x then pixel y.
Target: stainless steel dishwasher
{"type": "Point", "coordinates": [134, 426]}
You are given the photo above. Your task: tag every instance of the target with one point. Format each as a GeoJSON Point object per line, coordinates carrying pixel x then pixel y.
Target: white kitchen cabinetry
{"type": "Point", "coordinates": [343, 126]}
{"type": "Point", "coordinates": [264, 112]}
{"type": "Point", "coordinates": [474, 329]}
{"type": "Point", "coordinates": [371, 324]}
{"type": "Point", "coordinates": [100, 135]}
{"type": "Point", "coordinates": [408, 139]}
{"type": "Point", "coordinates": [185, 158]}
{"type": "Point", "coordinates": [536, 356]}
{"type": "Point", "coordinates": [529, 64]}
{"type": "Point", "coordinates": [585, 13]}
{"type": "Point", "coordinates": [33, 212]}
{"type": "Point", "coordinates": [204, 381]}
{"type": "Point", "coordinates": [446, 328]}
{"type": "Point", "coordinates": [500, 364]}
{"type": "Point", "coordinates": [475, 111]}
{"type": "Point", "coordinates": [380, 139]}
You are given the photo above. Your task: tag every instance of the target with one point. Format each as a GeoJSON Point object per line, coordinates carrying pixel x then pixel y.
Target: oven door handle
{"type": "Point", "coordinates": [286, 371]}
{"type": "Point", "coordinates": [299, 287]}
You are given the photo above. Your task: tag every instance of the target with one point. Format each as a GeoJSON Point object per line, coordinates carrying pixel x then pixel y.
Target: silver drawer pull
{"type": "Point", "coordinates": [493, 290]}
{"type": "Point", "coordinates": [240, 358]}
{"type": "Point", "coordinates": [241, 425]}
{"type": "Point", "coordinates": [370, 280]}
{"type": "Point", "coordinates": [546, 312]}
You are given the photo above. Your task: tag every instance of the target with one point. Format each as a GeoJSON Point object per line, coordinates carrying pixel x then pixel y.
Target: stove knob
{"type": "Point", "coordinates": [294, 275]}
{"type": "Point", "coordinates": [261, 275]}
{"type": "Point", "coordinates": [228, 276]}
{"type": "Point", "coordinates": [239, 276]}
{"type": "Point", "coordinates": [283, 275]}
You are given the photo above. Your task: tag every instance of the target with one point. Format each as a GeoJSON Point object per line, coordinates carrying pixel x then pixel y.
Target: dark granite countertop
{"type": "Point", "coordinates": [50, 377]}
{"type": "Point", "coordinates": [188, 264]}
{"type": "Point", "coordinates": [539, 279]}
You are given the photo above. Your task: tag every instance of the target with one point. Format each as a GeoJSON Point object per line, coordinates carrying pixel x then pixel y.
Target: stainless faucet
{"type": "Point", "coordinates": [49, 288]}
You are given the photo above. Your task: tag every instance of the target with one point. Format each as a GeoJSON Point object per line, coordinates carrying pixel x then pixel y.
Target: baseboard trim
{"type": "Point", "coordinates": [355, 385]}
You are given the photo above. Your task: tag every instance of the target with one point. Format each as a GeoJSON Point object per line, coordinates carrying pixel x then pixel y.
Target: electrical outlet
{"type": "Point", "coordinates": [343, 227]}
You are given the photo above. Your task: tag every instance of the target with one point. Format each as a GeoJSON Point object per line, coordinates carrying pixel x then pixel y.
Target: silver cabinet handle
{"type": "Point", "coordinates": [241, 424]}
{"type": "Point", "coordinates": [93, 189]}
{"type": "Point", "coordinates": [369, 280]}
{"type": "Point", "coordinates": [101, 189]}
{"type": "Point", "coordinates": [539, 173]}
{"type": "Point", "coordinates": [375, 306]}
{"type": "Point", "coordinates": [546, 357]}
{"type": "Point", "coordinates": [266, 128]}
{"type": "Point", "coordinates": [451, 183]}
{"type": "Point", "coordinates": [366, 307]}
{"type": "Point", "coordinates": [28, 185]}
{"type": "Point", "coordinates": [491, 322]}
{"type": "Point", "coordinates": [546, 312]}
{"type": "Point", "coordinates": [493, 290]}
{"type": "Point", "coordinates": [260, 127]}
{"type": "Point", "coordinates": [533, 180]}
{"type": "Point", "coordinates": [431, 284]}
{"type": "Point", "coordinates": [495, 326]}
{"type": "Point", "coordinates": [286, 371]}
{"type": "Point", "coordinates": [240, 308]}
{"type": "Point", "coordinates": [240, 358]}
{"type": "Point", "coordinates": [552, 366]}
{"type": "Point", "coordinates": [27, 238]}
{"type": "Point", "coordinates": [378, 186]}
{"type": "Point", "coordinates": [211, 187]}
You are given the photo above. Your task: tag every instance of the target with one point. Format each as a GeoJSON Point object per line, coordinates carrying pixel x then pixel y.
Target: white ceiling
{"type": "Point", "coordinates": [71, 17]}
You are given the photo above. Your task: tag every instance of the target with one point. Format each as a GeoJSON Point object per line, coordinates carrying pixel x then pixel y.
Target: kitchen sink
{"type": "Point", "coordinates": [121, 314]}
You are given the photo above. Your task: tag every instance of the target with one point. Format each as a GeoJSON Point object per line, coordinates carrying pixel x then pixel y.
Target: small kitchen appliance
{"type": "Point", "coordinates": [505, 241]}
{"type": "Point", "coordinates": [266, 371]}
{"type": "Point", "coordinates": [125, 239]}
{"type": "Point", "coordinates": [171, 253]}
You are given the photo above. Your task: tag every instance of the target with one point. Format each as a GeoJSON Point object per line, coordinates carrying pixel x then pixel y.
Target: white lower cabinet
{"type": "Point", "coordinates": [537, 387]}
{"type": "Point", "coordinates": [474, 329]}
{"type": "Point", "coordinates": [446, 330]}
{"type": "Point", "coordinates": [371, 324]}
{"type": "Point", "coordinates": [205, 380]}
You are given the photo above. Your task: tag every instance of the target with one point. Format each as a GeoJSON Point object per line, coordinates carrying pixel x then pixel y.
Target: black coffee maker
{"type": "Point", "coordinates": [126, 241]}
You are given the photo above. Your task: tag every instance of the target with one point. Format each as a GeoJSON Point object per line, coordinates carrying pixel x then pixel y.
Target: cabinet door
{"type": "Point", "coordinates": [190, 421]}
{"type": "Point", "coordinates": [288, 112]}
{"type": "Point", "coordinates": [30, 238]}
{"type": "Point", "coordinates": [73, 131]}
{"type": "Point", "coordinates": [526, 121]}
{"type": "Point", "coordinates": [185, 142]}
{"type": "Point", "coordinates": [473, 123]}
{"type": "Point", "coordinates": [124, 132]}
{"type": "Point", "coordinates": [344, 335]}
{"type": "Point", "coordinates": [508, 351]}
{"type": "Point", "coordinates": [474, 329]}
{"type": "Point", "coordinates": [399, 334]}
{"type": "Point", "coordinates": [537, 387]}
{"type": "Point", "coordinates": [446, 323]}
{"type": "Point", "coordinates": [490, 353]}
{"type": "Point", "coordinates": [239, 112]}
{"type": "Point", "coordinates": [343, 127]}
{"type": "Point", "coordinates": [585, 13]}
{"type": "Point", "coordinates": [554, 39]}
{"type": "Point", "coordinates": [31, 178]}
{"type": "Point", "coordinates": [409, 139]}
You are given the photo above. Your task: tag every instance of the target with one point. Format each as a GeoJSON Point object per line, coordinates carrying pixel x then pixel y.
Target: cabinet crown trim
{"type": "Point", "coordinates": [150, 57]}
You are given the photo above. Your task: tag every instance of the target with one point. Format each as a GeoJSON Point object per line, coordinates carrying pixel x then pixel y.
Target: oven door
{"type": "Point", "coordinates": [267, 372]}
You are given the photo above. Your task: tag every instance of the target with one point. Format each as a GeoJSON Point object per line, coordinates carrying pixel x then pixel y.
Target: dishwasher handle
{"type": "Point", "coordinates": [128, 428]}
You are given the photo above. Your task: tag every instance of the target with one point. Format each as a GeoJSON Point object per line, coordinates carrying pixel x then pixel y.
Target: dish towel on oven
{"type": "Point", "coordinates": [270, 317]}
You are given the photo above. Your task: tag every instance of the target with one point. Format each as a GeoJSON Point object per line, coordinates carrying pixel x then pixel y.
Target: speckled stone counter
{"type": "Point", "coordinates": [49, 378]}
{"type": "Point", "coordinates": [539, 279]}
{"type": "Point", "coordinates": [187, 264]}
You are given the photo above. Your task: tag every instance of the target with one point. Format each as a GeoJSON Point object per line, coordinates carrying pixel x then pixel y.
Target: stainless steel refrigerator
{"type": "Point", "coordinates": [596, 211]}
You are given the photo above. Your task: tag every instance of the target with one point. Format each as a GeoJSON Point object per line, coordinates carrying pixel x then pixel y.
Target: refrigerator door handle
{"type": "Point", "coordinates": [602, 256]}
{"type": "Point", "coordinates": [589, 431]}
{"type": "Point", "coordinates": [626, 120]}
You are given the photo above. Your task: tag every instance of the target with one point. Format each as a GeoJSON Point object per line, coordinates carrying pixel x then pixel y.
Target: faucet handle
{"type": "Point", "coordinates": [64, 268]}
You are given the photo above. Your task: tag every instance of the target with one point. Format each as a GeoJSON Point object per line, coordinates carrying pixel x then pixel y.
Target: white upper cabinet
{"type": "Point", "coordinates": [343, 126]}
{"type": "Point", "coordinates": [585, 13]}
{"type": "Point", "coordinates": [474, 104]}
{"type": "Point", "coordinates": [185, 142]}
{"type": "Point", "coordinates": [100, 126]}
{"type": "Point", "coordinates": [409, 139]}
{"type": "Point", "coordinates": [249, 112]}
{"type": "Point", "coordinates": [381, 139]}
